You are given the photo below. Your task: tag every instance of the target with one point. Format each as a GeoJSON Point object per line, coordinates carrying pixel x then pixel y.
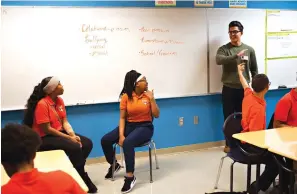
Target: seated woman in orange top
{"type": "Point", "coordinates": [19, 146]}
{"type": "Point", "coordinates": [137, 108]}
{"type": "Point", "coordinates": [46, 114]}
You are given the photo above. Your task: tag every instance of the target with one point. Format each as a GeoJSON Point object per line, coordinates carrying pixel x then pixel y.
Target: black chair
{"type": "Point", "coordinates": [270, 125]}
{"type": "Point", "coordinates": [151, 144]}
{"type": "Point", "coordinates": [231, 126]}
{"type": "Point", "coordinates": [283, 167]}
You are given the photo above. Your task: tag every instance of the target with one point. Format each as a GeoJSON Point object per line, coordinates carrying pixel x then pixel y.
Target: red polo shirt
{"type": "Point", "coordinates": [253, 112]}
{"type": "Point", "coordinates": [47, 111]}
{"type": "Point", "coordinates": [286, 109]}
{"type": "Point", "coordinates": [34, 182]}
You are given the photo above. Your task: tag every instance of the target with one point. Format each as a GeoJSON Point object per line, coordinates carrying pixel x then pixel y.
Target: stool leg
{"type": "Point", "coordinates": [155, 152]}
{"type": "Point", "coordinates": [150, 157]}
{"type": "Point", "coordinates": [114, 160]}
{"type": "Point", "coordinates": [122, 157]}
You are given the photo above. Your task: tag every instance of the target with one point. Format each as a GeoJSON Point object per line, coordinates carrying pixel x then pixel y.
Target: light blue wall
{"type": "Point", "coordinates": [94, 121]}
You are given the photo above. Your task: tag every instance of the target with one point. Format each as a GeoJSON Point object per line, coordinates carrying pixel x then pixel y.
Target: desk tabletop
{"type": "Point", "coordinates": [288, 150]}
{"type": "Point", "coordinates": [267, 138]}
{"type": "Point", "coordinates": [49, 159]}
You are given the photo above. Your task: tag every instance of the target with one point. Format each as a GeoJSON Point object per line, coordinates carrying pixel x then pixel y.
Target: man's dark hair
{"type": "Point", "coordinates": [260, 82]}
{"type": "Point", "coordinates": [19, 144]}
{"type": "Point", "coordinates": [236, 24]}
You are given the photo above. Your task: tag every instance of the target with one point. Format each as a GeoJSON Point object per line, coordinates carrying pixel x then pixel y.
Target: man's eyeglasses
{"type": "Point", "coordinates": [233, 32]}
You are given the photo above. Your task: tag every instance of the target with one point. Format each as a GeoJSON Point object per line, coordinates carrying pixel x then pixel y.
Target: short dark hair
{"type": "Point", "coordinates": [19, 144]}
{"type": "Point", "coordinates": [236, 24]}
{"type": "Point", "coordinates": [260, 82]}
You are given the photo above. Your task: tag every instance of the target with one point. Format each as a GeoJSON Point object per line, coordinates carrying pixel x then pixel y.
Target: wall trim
{"type": "Point", "coordinates": [165, 151]}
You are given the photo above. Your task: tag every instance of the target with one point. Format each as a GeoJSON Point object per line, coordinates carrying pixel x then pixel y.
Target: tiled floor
{"type": "Point", "coordinates": [183, 173]}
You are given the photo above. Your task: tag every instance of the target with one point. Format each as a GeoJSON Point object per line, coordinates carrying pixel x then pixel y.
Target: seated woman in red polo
{"type": "Point", "coordinates": [137, 108]}
{"type": "Point", "coordinates": [46, 114]}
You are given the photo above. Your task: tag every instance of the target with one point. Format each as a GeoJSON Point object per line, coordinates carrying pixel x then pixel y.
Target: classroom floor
{"type": "Point", "coordinates": [183, 173]}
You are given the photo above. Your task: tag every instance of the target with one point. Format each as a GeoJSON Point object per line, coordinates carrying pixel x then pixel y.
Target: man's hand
{"type": "Point", "coordinates": [241, 53]}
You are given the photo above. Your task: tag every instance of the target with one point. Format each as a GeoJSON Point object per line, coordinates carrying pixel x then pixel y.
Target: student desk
{"type": "Point", "coordinates": [281, 141]}
{"type": "Point", "coordinates": [51, 161]}
{"type": "Point", "coordinates": [288, 150]}
{"type": "Point", "coordinates": [269, 138]}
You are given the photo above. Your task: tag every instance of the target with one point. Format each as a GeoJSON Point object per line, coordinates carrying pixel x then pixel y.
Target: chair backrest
{"type": "Point", "coordinates": [232, 125]}
{"type": "Point", "coordinates": [270, 125]}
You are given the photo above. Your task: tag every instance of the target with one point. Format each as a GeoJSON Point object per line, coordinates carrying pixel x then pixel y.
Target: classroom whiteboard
{"type": "Point", "coordinates": [91, 49]}
{"type": "Point", "coordinates": [282, 73]}
{"type": "Point", "coordinates": [281, 48]}
{"type": "Point", "coordinates": [253, 22]}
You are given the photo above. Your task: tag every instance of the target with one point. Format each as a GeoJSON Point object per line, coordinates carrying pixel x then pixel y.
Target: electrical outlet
{"type": "Point", "coordinates": [195, 120]}
{"type": "Point", "coordinates": [181, 121]}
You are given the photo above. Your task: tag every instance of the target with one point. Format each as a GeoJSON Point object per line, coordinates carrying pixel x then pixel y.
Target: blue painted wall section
{"type": "Point", "coordinates": [94, 121]}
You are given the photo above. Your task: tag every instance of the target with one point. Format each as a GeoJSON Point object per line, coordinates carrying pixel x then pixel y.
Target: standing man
{"type": "Point", "coordinates": [229, 56]}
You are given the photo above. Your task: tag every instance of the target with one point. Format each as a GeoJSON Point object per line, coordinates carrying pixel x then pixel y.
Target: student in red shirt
{"type": "Point", "coordinates": [286, 110]}
{"type": "Point", "coordinates": [285, 115]}
{"type": "Point", "coordinates": [254, 119]}
{"type": "Point", "coordinates": [46, 114]}
{"type": "Point", "coordinates": [137, 108]}
{"type": "Point", "coordinates": [253, 104]}
{"type": "Point", "coordinates": [19, 144]}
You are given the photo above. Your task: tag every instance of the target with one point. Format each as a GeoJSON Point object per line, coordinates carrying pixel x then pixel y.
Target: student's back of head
{"type": "Point", "coordinates": [19, 144]}
{"type": "Point", "coordinates": [260, 83]}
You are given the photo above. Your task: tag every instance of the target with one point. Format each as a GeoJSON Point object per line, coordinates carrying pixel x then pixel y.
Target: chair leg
{"type": "Point", "coordinates": [114, 160]}
{"type": "Point", "coordinates": [219, 172]}
{"type": "Point", "coordinates": [122, 157]}
{"type": "Point", "coordinates": [258, 175]}
{"type": "Point", "coordinates": [155, 152]}
{"type": "Point", "coordinates": [292, 183]}
{"type": "Point", "coordinates": [281, 181]}
{"type": "Point", "coordinates": [249, 171]}
{"type": "Point", "coordinates": [231, 176]}
{"type": "Point", "coordinates": [274, 183]}
{"type": "Point", "coordinates": [150, 157]}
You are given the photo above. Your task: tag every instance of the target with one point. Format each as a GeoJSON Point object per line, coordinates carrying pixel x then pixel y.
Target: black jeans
{"type": "Point", "coordinates": [135, 135]}
{"type": "Point", "coordinates": [232, 101]}
{"type": "Point", "coordinates": [76, 154]}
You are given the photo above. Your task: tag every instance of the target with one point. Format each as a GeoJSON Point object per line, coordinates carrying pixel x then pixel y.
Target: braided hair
{"type": "Point", "coordinates": [34, 98]}
{"type": "Point", "coordinates": [129, 83]}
